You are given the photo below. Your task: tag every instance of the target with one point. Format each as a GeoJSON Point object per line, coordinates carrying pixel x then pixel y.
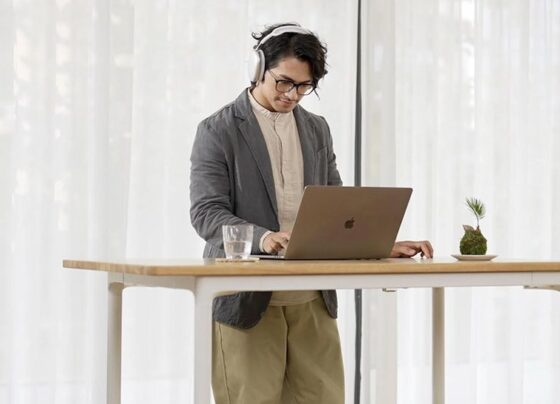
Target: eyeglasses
{"type": "Point", "coordinates": [285, 86]}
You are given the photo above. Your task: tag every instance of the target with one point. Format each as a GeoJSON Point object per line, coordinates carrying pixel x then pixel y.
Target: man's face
{"type": "Point", "coordinates": [291, 69]}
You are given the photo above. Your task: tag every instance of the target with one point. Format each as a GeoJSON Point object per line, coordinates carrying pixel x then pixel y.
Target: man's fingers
{"type": "Point", "coordinates": [278, 241]}
{"type": "Point", "coordinates": [427, 249]}
{"type": "Point", "coordinates": [281, 241]}
{"type": "Point", "coordinates": [404, 251]}
{"type": "Point", "coordinates": [411, 248]}
{"type": "Point", "coordinates": [276, 246]}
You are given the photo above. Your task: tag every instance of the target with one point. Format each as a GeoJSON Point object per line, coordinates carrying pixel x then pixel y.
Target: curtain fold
{"type": "Point", "coordinates": [99, 104]}
{"type": "Point", "coordinates": [464, 98]}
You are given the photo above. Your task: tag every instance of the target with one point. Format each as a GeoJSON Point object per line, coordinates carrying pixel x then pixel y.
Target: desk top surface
{"type": "Point", "coordinates": [210, 267]}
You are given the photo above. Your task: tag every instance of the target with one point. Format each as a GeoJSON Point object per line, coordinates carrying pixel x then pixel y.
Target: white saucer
{"type": "Point", "coordinates": [474, 257]}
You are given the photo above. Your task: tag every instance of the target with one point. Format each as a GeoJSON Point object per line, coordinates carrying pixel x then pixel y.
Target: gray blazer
{"type": "Point", "coordinates": [232, 183]}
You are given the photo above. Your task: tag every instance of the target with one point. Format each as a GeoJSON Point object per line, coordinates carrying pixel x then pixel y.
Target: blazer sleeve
{"type": "Point", "coordinates": [210, 189]}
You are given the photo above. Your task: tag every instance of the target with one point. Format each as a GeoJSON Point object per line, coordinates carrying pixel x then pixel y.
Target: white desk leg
{"type": "Point", "coordinates": [438, 345]}
{"type": "Point", "coordinates": [387, 376]}
{"type": "Point", "coordinates": [114, 331]}
{"type": "Point", "coordinates": [202, 347]}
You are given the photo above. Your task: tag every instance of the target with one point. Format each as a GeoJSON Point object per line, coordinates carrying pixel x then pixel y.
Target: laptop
{"type": "Point", "coordinates": [337, 222]}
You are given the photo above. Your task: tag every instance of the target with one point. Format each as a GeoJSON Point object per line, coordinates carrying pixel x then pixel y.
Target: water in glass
{"type": "Point", "coordinates": [237, 240]}
{"type": "Point", "coordinates": [237, 249]}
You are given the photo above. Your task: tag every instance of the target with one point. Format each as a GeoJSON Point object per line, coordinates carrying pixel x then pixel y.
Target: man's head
{"type": "Point", "coordinates": [294, 62]}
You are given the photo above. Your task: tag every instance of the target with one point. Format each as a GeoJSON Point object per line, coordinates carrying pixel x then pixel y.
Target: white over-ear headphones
{"type": "Point", "coordinates": [257, 61]}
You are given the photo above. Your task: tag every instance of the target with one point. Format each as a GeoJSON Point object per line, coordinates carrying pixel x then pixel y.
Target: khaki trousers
{"type": "Point", "coordinates": [291, 356]}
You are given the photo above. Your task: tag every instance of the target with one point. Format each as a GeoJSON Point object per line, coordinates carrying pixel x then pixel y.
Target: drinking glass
{"type": "Point", "coordinates": [238, 239]}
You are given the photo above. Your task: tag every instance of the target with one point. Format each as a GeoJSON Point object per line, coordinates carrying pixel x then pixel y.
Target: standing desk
{"type": "Point", "coordinates": [209, 278]}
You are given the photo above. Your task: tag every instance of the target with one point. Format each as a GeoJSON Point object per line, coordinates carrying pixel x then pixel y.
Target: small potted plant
{"type": "Point", "coordinates": [473, 242]}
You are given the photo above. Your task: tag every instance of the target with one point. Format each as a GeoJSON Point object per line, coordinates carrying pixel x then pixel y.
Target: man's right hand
{"type": "Point", "coordinates": [275, 242]}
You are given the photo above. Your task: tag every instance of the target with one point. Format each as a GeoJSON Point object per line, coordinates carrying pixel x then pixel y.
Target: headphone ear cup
{"type": "Point", "coordinates": [255, 66]}
{"type": "Point", "coordinates": [260, 66]}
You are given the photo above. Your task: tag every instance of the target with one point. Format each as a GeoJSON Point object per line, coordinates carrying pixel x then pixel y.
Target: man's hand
{"type": "Point", "coordinates": [275, 242]}
{"type": "Point", "coordinates": [407, 249]}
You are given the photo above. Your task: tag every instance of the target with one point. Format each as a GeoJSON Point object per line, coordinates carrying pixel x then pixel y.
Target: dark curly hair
{"type": "Point", "coordinates": [304, 47]}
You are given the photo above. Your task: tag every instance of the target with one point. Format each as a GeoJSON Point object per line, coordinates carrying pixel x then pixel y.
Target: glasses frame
{"type": "Point", "coordinates": [292, 84]}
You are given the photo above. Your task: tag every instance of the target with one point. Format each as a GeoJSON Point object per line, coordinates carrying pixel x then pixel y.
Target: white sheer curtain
{"type": "Point", "coordinates": [462, 99]}
{"type": "Point", "coordinates": [99, 102]}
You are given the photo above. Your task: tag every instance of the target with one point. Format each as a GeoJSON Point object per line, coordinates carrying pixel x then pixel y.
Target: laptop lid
{"type": "Point", "coordinates": [336, 222]}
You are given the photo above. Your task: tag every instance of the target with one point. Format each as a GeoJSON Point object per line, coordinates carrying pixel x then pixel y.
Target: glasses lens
{"type": "Point", "coordinates": [284, 86]}
{"type": "Point", "coordinates": [305, 89]}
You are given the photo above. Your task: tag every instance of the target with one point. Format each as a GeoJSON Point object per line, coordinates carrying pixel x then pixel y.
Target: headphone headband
{"type": "Point", "coordinates": [295, 28]}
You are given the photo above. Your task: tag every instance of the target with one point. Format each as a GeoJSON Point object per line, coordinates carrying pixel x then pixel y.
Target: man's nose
{"type": "Point", "coordinates": [293, 94]}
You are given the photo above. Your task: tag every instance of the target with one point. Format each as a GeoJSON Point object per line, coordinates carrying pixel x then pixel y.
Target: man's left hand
{"type": "Point", "coordinates": [407, 249]}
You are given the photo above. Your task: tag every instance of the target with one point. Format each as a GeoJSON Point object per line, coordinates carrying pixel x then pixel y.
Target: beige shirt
{"type": "Point", "coordinates": [284, 149]}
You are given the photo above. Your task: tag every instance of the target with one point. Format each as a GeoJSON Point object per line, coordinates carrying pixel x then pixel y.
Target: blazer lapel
{"type": "Point", "coordinates": [307, 140]}
{"type": "Point", "coordinates": [251, 132]}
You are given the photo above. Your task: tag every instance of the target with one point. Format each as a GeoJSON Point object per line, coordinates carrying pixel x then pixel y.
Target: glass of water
{"type": "Point", "coordinates": [238, 239]}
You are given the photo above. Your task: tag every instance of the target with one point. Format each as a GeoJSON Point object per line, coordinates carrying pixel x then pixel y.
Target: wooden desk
{"type": "Point", "coordinates": [207, 279]}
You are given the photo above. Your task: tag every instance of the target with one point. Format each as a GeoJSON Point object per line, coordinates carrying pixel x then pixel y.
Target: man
{"type": "Point", "coordinates": [250, 163]}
